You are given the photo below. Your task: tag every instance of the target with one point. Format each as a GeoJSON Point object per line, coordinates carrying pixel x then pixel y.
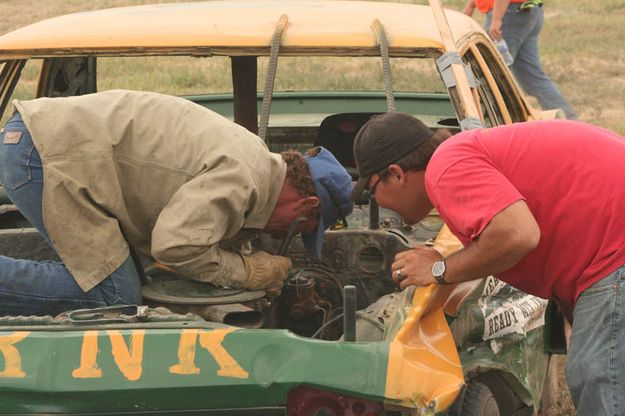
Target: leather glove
{"type": "Point", "coordinates": [266, 272]}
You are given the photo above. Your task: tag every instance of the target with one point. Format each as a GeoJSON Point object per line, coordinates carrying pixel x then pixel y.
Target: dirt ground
{"type": "Point", "coordinates": [563, 405]}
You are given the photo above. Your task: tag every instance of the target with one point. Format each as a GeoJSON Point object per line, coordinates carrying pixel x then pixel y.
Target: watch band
{"type": "Point", "coordinates": [441, 280]}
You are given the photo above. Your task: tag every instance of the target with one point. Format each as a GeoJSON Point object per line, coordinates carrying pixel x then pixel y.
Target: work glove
{"type": "Point", "coordinates": [266, 272]}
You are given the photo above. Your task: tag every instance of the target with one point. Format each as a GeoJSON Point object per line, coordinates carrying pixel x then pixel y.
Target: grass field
{"type": "Point", "coordinates": [581, 51]}
{"type": "Point", "coordinates": [580, 44]}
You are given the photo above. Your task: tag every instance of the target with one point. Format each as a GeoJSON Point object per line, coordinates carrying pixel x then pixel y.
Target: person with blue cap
{"type": "Point", "coordinates": [105, 174]}
{"type": "Point", "coordinates": [333, 186]}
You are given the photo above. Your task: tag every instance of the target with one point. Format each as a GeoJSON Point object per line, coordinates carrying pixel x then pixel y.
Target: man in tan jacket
{"type": "Point", "coordinates": [167, 177]}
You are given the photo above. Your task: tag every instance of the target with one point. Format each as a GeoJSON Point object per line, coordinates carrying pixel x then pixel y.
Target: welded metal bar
{"type": "Point", "coordinates": [271, 75]}
{"type": "Point", "coordinates": [289, 236]}
{"type": "Point", "coordinates": [374, 214]}
{"type": "Point", "coordinates": [349, 313]}
{"type": "Point", "coordinates": [380, 34]}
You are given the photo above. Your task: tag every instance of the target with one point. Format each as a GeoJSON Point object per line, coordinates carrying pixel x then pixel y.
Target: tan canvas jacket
{"type": "Point", "coordinates": [179, 181]}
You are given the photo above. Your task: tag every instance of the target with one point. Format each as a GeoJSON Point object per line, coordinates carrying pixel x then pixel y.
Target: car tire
{"type": "Point", "coordinates": [507, 400]}
{"type": "Point", "coordinates": [478, 400]}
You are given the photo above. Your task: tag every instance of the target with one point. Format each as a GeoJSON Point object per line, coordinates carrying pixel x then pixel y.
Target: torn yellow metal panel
{"type": "Point", "coordinates": [424, 368]}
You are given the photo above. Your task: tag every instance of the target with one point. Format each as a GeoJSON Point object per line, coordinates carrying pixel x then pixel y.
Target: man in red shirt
{"type": "Point", "coordinates": [541, 205]}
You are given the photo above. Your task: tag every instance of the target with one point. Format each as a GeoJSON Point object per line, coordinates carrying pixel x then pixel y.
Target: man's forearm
{"type": "Point", "coordinates": [469, 8]}
{"type": "Point", "coordinates": [510, 236]}
{"type": "Point", "coordinates": [481, 260]}
{"type": "Point", "coordinates": [499, 9]}
{"type": "Point", "coordinates": [208, 264]}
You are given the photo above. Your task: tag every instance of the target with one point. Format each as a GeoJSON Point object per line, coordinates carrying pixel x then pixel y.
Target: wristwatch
{"type": "Point", "coordinates": [438, 271]}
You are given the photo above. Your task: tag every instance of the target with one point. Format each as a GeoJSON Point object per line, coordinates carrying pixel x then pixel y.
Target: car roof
{"type": "Point", "coordinates": [237, 28]}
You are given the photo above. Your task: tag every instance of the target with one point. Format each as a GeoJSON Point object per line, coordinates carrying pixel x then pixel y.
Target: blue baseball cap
{"type": "Point", "coordinates": [334, 188]}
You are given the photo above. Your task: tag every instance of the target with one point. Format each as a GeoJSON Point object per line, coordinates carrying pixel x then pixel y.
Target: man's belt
{"type": "Point", "coordinates": [529, 5]}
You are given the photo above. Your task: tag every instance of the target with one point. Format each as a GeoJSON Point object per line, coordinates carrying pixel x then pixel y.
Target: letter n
{"type": "Point", "coordinates": [12, 358]}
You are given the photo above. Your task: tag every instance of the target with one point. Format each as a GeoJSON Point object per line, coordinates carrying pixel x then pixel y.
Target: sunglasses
{"type": "Point", "coordinates": [375, 185]}
{"type": "Point", "coordinates": [371, 190]}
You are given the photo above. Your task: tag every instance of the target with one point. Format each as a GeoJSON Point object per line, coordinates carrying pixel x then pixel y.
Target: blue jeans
{"type": "Point", "coordinates": [595, 370]}
{"type": "Point", "coordinates": [520, 30]}
{"type": "Point", "coordinates": [46, 287]}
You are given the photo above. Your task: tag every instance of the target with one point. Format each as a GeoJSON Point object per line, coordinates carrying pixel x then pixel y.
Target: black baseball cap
{"type": "Point", "coordinates": [383, 140]}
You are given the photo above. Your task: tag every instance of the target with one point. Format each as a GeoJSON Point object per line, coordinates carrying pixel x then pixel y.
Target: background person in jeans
{"type": "Point", "coordinates": [538, 204]}
{"type": "Point", "coordinates": [168, 177]}
{"type": "Point", "coordinates": [519, 22]}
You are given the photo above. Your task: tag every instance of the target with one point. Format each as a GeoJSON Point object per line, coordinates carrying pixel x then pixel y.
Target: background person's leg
{"type": "Point", "coordinates": [521, 31]}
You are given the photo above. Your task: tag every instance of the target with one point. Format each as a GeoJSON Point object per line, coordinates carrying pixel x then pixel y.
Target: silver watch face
{"type": "Point", "coordinates": [438, 269]}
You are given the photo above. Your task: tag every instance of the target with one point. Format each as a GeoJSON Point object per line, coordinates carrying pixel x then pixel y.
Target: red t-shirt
{"type": "Point", "coordinates": [571, 176]}
{"type": "Point", "coordinates": [486, 6]}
